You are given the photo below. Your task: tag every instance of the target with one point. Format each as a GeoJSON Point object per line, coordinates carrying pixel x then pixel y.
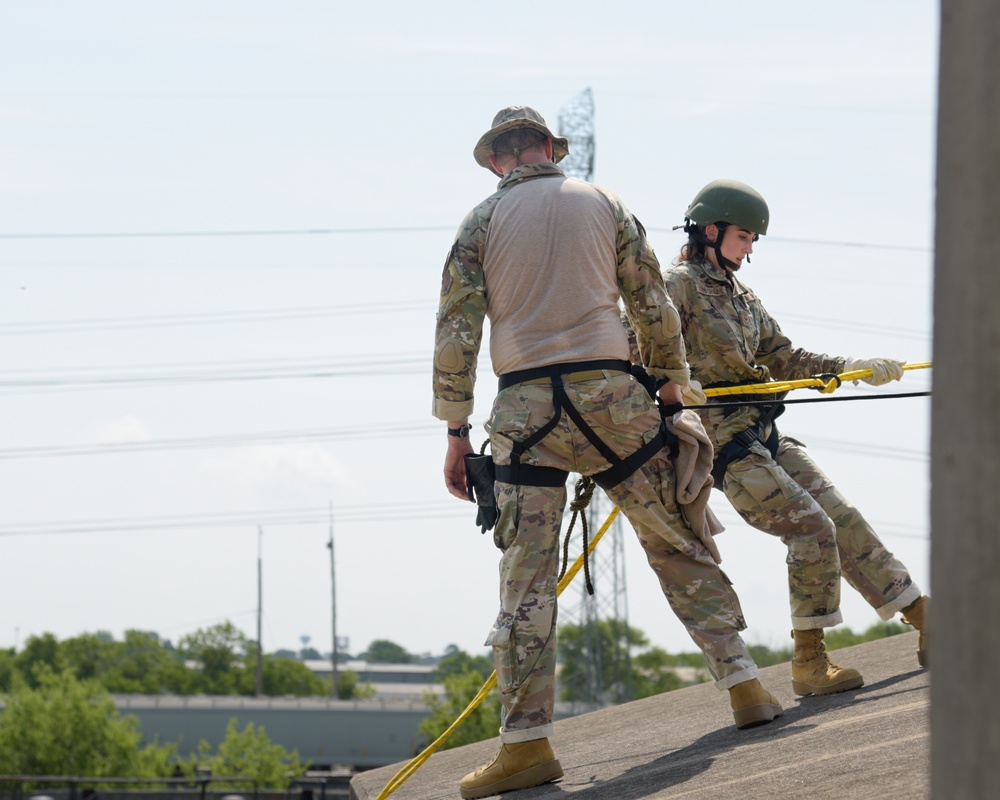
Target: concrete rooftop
{"type": "Point", "coordinates": [873, 742]}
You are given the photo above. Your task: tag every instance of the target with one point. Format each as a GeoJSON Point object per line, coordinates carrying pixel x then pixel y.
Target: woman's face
{"type": "Point", "coordinates": [737, 243]}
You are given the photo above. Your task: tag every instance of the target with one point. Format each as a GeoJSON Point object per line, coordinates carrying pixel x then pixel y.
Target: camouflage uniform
{"type": "Point", "coordinates": [621, 413]}
{"type": "Point", "coordinates": [730, 338]}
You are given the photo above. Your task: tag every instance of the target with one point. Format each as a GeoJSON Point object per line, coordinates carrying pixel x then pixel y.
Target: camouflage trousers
{"type": "Point", "coordinates": [790, 497]}
{"type": "Point", "coordinates": [523, 637]}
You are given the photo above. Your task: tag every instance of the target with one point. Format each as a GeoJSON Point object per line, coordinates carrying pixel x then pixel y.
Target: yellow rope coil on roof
{"type": "Point", "coordinates": [824, 386]}
{"type": "Point", "coordinates": [417, 761]}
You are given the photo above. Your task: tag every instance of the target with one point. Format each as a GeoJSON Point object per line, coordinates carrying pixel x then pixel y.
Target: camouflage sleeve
{"type": "Point", "coordinates": [649, 310]}
{"type": "Point", "coordinates": [786, 362]}
{"type": "Point", "coordinates": [460, 317]}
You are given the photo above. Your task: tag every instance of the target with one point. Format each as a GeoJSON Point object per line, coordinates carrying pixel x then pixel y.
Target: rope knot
{"type": "Point", "coordinates": [831, 383]}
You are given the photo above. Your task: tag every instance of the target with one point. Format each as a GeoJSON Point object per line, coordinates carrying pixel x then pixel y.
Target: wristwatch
{"type": "Point", "coordinates": [462, 431]}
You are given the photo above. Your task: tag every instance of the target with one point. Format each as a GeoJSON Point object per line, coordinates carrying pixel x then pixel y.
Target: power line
{"type": "Point", "coordinates": [227, 234]}
{"type": "Point", "coordinates": [831, 243]}
{"type": "Point", "coordinates": [380, 431]}
{"type": "Point", "coordinates": [383, 230]}
{"type": "Point", "coordinates": [205, 318]}
{"type": "Point", "coordinates": [839, 324]}
{"type": "Point", "coordinates": [901, 530]}
{"type": "Point", "coordinates": [205, 373]}
{"type": "Point", "coordinates": [306, 312]}
{"type": "Point", "coordinates": [381, 512]}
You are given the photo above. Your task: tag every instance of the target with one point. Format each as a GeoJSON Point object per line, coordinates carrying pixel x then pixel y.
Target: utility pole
{"type": "Point", "coordinates": [259, 683]}
{"type": "Point", "coordinates": [333, 589]}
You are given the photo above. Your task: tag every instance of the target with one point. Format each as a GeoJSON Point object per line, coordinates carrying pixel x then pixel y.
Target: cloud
{"type": "Point", "coordinates": [126, 429]}
{"type": "Point", "coordinates": [278, 470]}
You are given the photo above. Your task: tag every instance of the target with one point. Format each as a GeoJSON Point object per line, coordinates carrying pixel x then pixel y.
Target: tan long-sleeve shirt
{"type": "Point", "coordinates": [547, 258]}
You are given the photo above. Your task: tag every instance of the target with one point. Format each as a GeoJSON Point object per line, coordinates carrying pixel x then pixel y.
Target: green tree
{"type": "Point", "coordinates": [653, 673]}
{"type": "Point", "coordinates": [38, 650]}
{"type": "Point", "coordinates": [845, 637]}
{"type": "Point", "coordinates": [764, 656]}
{"type": "Point", "coordinates": [64, 726]}
{"type": "Point", "coordinates": [248, 754]}
{"type": "Point", "coordinates": [349, 686]}
{"type": "Point", "coordinates": [595, 655]}
{"type": "Point", "coordinates": [8, 668]}
{"type": "Point", "coordinates": [220, 650]}
{"type": "Point", "coordinates": [459, 689]}
{"type": "Point", "coordinates": [458, 662]}
{"type": "Point", "coordinates": [382, 651]}
{"type": "Point", "coordinates": [146, 666]}
{"type": "Point", "coordinates": [89, 655]}
{"type": "Point", "coordinates": [280, 676]}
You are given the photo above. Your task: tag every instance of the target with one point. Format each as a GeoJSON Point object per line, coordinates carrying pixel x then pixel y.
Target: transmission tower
{"type": "Point", "coordinates": [603, 615]}
{"type": "Point", "coordinates": [576, 123]}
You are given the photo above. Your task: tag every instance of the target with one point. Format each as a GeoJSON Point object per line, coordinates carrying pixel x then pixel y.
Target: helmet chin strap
{"type": "Point", "coordinates": [695, 232]}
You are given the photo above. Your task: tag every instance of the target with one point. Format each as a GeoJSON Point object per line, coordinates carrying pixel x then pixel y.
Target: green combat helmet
{"type": "Point", "coordinates": [731, 202]}
{"type": "Point", "coordinates": [726, 202]}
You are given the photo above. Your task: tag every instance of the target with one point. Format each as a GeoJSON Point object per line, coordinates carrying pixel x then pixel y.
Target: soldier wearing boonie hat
{"type": "Point", "coordinates": [517, 118]}
{"type": "Point", "coordinates": [546, 258]}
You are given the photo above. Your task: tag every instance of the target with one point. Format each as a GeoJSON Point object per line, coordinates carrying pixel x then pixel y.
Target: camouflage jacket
{"type": "Point", "coordinates": [730, 338]}
{"type": "Point", "coordinates": [464, 299]}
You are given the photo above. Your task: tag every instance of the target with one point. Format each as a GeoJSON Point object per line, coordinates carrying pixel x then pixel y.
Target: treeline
{"type": "Point", "coordinates": [216, 660]}
{"type": "Point", "coordinates": [65, 726]}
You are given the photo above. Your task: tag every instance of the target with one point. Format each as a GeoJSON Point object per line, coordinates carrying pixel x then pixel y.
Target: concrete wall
{"type": "Point", "coordinates": [965, 439]}
{"type": "Point", "coordinates": [361, 734]}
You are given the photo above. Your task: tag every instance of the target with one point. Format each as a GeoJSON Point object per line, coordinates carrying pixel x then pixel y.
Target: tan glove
{"type": "Point", "coordinates": [692, 395]}
{"type": "Point", "coordinates": [883, 369]}
{"type": "Point", "coordinates": [693, 473]}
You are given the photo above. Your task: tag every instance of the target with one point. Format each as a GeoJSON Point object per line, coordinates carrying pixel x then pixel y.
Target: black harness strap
{"type": "Point", "coordinates": [620, 468]}
{"type": "Point", "coordinates": [739, 446]}
{"type": "Point", "coordinates": [525, 474]}
{"type": "Point", "coordinates": [528, 475]}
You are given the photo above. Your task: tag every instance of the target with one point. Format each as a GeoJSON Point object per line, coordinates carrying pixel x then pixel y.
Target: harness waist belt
{"type": "Point", "coordinates": [555, 370]}
{"type": "Point", "coordinates": [530, 475]}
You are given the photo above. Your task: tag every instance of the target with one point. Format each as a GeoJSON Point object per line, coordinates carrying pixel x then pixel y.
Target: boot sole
{"type": "Point", "coordinates": [804, 689]}
{"type": "Point", "coordinates": [525, 779]}
{"type": "Point", "coordinates": [757, 715]}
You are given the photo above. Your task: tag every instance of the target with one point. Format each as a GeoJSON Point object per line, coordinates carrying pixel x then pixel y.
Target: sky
{"type": "Point", "coordinates": [222, 228]}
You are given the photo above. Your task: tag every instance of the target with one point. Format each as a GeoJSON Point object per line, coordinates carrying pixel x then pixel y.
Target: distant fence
{"type": "Point", "coordinates": [334, 786]}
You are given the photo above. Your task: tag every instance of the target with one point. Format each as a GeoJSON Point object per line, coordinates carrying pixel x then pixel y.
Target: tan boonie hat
{"type": "Point", "coordinates": [512, 118]}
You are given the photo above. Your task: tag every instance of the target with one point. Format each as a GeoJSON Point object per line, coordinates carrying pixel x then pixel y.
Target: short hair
{"type": "Point", "coordinates": [516, 141]}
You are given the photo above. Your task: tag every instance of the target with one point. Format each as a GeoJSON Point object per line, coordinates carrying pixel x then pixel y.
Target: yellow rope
{"type": "Point", "coordinates": [824, 386]}
{"type": "Point", "coordinates": [774, 387]}
{"type": "Point", "coordinates": [415, 763]}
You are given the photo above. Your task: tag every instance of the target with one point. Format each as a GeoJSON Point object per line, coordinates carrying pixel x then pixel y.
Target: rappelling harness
{"type": "Point", "coordinates": [620, 469]}
{"type": "Point", "coordinates": [740, 446]}
{"type": "Point", "coordinates": [481, 471]}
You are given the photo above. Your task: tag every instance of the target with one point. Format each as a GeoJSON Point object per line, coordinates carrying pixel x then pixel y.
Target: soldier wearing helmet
{"type": "Point", "coordinates": [769, 478]}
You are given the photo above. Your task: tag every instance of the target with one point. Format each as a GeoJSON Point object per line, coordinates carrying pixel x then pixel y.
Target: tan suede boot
{"type": "Point", "coordinates": [753, 704]}
{"type": "Point", "coordinates": [516, 766]}
{"type": "Point", "coordinates": [812, 670]}
{"type": "Point", "coordinates": [919, 616]}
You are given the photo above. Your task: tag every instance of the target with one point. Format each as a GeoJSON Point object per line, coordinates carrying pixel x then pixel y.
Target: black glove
{"type": "Point", "coordinates": [479, 479]}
